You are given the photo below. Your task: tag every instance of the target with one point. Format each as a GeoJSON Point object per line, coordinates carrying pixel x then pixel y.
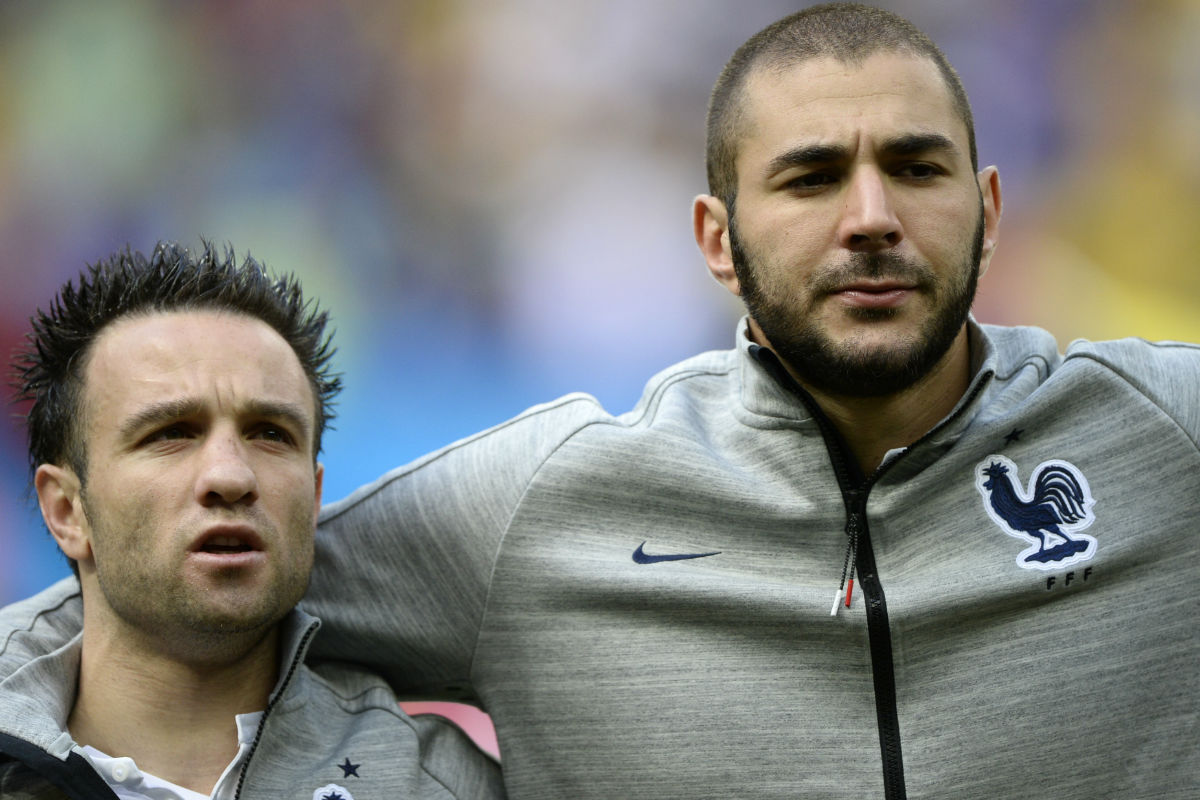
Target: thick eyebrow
{"type": "Point", "coordinates": [157, 414]}
{"type": "Point", "coordinates": [909, 144]}
{"type": "Point", "coordinates": [292, 414]}
{"type": "Point", "coordinates": [807, 155]}
{"type": "Point", "coordinates": [171, 410]}
{"type": "Point", "coordinates": [915, 144]}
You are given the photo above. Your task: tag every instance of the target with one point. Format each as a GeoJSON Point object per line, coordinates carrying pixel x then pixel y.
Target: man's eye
{"type": "Point", "coordinates": [274, 433]}
{"type": "Point", "coordinates": [169, 433]}
{"type": "Point", "coordinates": [919, 171]}
{"type": "Point", "coordinates": [811, 180]}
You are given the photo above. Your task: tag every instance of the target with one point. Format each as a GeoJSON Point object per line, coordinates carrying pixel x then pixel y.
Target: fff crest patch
{"type": "Point", "coordinates": [1049, 513]}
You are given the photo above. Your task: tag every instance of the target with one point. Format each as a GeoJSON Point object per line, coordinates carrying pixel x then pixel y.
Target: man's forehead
{"type": "Point", "coordinates": [881, 68]}
{"type": "Point", "coordinates": [824, 95]}
{"type": "Point", "coordinates": [150, 356]}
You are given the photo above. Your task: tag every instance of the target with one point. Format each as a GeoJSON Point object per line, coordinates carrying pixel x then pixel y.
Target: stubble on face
{"type": "Point", "coordinates": [148, 598]}
{"type": "Point", "coordinates": [850, 368]}
{"type": "Point", "coordinates": [152, 493]}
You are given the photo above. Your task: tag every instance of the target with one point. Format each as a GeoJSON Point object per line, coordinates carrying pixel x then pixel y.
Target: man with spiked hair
{"type": "Point", "coordinates": [177, 408]}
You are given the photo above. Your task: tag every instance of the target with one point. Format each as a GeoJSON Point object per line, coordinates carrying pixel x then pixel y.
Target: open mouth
{"type": "Point", "coordinates": [225, 544]}
{"type": "Point", "coordinates": [228, 540]}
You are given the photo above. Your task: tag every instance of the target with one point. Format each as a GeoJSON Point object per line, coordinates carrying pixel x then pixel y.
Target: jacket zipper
{"type": "Point", "coordinates": [855, 487]}
{"type": "Point", "coordinates": [879, 634]}
{"type": "Point", "coordinates": [296, 661]}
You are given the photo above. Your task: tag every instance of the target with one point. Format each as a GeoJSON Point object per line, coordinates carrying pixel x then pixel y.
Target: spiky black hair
{"type": "Point", "coordinates": [49, 369]}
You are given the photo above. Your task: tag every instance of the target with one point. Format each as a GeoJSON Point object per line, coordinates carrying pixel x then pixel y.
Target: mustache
{"type": "Point", "coordinates": [873, 266]}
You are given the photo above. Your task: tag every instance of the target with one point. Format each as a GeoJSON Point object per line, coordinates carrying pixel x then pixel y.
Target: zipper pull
{"type": "Point", "coordinates": [846, 586]}
{"type": "Point", "coordinates": [843, 596]}
{"type": "Point", "coordinates": [837, 600]}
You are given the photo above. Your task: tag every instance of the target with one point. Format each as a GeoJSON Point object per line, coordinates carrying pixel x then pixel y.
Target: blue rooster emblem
{"type": "Point", "coordinates": [1049, 515]}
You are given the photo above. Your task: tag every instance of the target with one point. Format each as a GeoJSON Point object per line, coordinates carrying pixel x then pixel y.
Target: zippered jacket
{"type": "Point", "coordinates": [330, 730]}
{"type": "Point", "coordinates": [643, 602]}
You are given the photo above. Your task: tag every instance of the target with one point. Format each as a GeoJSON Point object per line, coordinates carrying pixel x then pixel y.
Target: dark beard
{"type": "Point", "coordinates": [850, 371]}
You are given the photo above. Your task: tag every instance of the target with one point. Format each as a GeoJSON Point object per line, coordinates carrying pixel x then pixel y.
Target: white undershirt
{"type": "Point", "coordinates": [130, 783]}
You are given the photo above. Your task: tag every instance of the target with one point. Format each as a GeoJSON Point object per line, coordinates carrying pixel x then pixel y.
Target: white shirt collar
{"type": "Point", "coordinates": [131, 783]}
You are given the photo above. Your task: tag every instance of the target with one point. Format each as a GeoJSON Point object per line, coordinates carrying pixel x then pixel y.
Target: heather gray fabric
{"type": "Point", "coordinates": [501, 568]}
{"type": "Point", "coordinates": [319, 717]}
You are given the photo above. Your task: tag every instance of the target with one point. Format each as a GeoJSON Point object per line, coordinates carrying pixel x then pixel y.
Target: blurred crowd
{"type": "Point", "coordinates": [492, 196]}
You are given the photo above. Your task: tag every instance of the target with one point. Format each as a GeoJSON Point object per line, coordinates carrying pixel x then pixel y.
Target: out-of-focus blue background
{"type": "Point", "coordinates": [492, 196]}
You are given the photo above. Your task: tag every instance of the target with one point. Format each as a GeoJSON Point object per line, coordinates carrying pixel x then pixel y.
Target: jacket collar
{"type": "Point", "coordinates": [769, 394]}
{"type": "Point", "coordinates": [36, 697]}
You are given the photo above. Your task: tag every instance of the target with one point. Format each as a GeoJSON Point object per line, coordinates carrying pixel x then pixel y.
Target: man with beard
{"type": "Point", "coordinates": [642, 602]}
{"type": "Point", "coordinates": [177, 408]}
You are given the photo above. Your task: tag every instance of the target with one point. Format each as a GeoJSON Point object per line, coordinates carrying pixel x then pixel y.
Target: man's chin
{"type": "Point", "coordinates": [871, 363]}
{"type": "Point", "coordinates": [881, 341]}
{"type": "Point", "coordinates": [865, 378]}
{"type": "Point", "coordinates": [849, 322]}
{"type": "Point", "coordinates": [238, 610]}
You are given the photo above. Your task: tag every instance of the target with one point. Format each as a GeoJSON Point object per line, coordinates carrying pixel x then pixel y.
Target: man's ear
{"type": "Point", "coordinates": [319, 478]}
{"type": "Point", "coordinates": [60, 497]}
{"type": "Point", "coordinates": [710, 225]}
{"type": "Point", "coordinates": [989, 189]}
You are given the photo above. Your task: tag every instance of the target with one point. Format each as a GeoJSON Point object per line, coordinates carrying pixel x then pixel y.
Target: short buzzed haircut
{"type": "Point", "coordinates": [848, 32]}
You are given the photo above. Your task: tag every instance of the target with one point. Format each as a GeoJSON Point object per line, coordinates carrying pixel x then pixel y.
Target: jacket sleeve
{"type": "Point", "coordinates": [403, 565]}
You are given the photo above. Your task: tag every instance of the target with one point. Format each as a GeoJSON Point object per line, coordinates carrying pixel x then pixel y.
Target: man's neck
{"type": "Point", "coordinates": [872, 426]}
{"type": "Point", "coordinates": [175, 719]}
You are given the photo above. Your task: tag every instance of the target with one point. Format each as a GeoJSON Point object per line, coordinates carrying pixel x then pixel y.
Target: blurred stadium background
{"type": "Point", "coordinates": [492, 196]}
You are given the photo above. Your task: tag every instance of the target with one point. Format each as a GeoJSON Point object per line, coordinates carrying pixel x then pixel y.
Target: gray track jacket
{"type": "Point", "coordinates": [642, 602]}
{"type": "Point", "coordinates": [318, 720]}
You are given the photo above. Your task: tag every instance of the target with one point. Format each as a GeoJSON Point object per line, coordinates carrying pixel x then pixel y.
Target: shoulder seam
{"type": "Point", "coordinates": [1139, 387]}
{"type": "Point", "coordinates": [355, 697]}
{"type": "Point", "coordinates": [655, 398]}
{"type": "Point", "coordinates": [1036, 360]}
{"type": "Point", "coordinates": [421, 462]}
{"type": "Point", "coordinates": [34, 621]}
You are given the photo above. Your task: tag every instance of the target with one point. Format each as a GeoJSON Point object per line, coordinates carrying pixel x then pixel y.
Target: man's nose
{"type": "Point", "coordinates": [869, 221]}
{"type": "Point", "coordinates": [226, 475]}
